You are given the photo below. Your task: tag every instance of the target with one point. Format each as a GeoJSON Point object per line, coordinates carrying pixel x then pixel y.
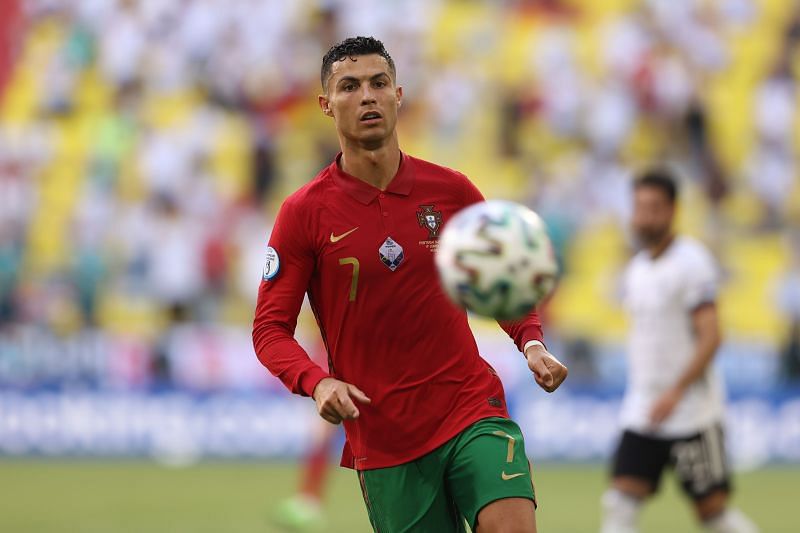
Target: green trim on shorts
{"type": "Point", "coordinates": [438, 491]}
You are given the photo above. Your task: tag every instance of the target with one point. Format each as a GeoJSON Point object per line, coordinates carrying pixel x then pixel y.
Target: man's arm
{"type": "Point", "coordinates": [279, 300]}
{"type": "Point", "coordinates": [526, 333]}
{"type": "Point", "coordinates": [548, 371]}
{"type": "Point", "coordinates": [705, 323]}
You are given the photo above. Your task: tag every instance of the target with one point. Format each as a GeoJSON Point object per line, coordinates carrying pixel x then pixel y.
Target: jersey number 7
{"type": "Point", "coordinates": [354, 281]}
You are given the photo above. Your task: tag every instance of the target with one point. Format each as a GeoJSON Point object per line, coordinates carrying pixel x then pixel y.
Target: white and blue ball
{"type": "Point", "coordinates": [495, 259]}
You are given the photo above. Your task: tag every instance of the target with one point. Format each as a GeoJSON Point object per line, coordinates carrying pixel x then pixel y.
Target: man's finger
{"type": "Point", "coordinates": [542, 373]}
{"type": "Point", "coordinates": [557, 369]}
{"type": "Point", "coordinates": [345, 406]}
{"type": "Point", "coordinates": [335, 420]}
{"type": "Point", "coordinates": [330, 415]}
{"type": "Point", "coordinates": [559, 376]}
{"type": "Point", "coordinates": [553, 363]}
{"type": "Point", "coordinates": [358, 394]}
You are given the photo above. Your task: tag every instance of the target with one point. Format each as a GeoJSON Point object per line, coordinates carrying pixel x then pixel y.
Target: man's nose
{"type": "Point", "coordinates": [367, 96]}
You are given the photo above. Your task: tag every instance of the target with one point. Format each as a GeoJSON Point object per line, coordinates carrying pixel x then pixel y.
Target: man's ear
{"type": "Point", "coordinates": [325, 105]}
{"type": "Point", "coordinates": [399, 95]}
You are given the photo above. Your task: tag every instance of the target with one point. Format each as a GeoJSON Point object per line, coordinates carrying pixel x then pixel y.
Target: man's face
{"type": "Point", "coordinates": [363, 99]}
{"type": "Point", "coordinates": [652, 215]}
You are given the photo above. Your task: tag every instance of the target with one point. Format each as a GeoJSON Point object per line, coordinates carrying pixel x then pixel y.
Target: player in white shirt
{"type": "Point", "coordinates": [672, 412]}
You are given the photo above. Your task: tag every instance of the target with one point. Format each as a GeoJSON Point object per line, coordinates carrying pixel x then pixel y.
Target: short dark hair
{"type": "Point", "coordinates": [350, 48]}
{"type": "Point", "coordinates": [659, 178]}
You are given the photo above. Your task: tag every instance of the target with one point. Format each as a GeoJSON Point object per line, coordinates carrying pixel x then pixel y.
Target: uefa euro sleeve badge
{"type": "Point", "coordinates": [391, 254]}
{"type": "Point", "coordinates": [272, 265]}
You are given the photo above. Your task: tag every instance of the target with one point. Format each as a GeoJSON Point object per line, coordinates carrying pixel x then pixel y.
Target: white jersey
{"type": "Point", "coordinates": [660, 295]}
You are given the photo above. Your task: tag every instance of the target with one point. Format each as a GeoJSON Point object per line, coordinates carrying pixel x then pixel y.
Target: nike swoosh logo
{"type": "Point", "coordinates": [506, 477]}
{"type": "Point", "coordinates": [337, 238]}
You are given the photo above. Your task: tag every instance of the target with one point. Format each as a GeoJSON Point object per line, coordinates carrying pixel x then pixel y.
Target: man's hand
{"type": "Point", "coordinates": [548, 371]}
{"type": "Point", "coordinates": [334, 402]}
{"type": "Point", "coordinates": [664, 406]}
{"type": "Point", "coordinates": [705, 324]}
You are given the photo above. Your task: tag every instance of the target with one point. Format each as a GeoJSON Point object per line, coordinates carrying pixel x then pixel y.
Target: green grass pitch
{"type": "Point", "coordinates": [139, 496]}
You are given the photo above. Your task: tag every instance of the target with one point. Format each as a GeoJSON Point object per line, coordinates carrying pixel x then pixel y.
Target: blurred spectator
{"type": "Point", "coordinates": [560, 81]}
{"type": "Point", "coordinates": [144, 145]}
{"type": "Point", "coordinates": [702, 156]}
{"type": "Point", "coordinates": [772, 169]}
{"type": "Point", "coordinates": [10, 262]}
{"type": "Point", "coordinates": [175, 257]}
{"type": "Point", "coordinates": [90, 262]}
{"type": "Point", "coordinates": [788, 301]}
{"type": "Point", "coordinates": [122, 44]}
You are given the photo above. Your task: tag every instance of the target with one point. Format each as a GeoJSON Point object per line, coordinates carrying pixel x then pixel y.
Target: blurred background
{"type": "Point", "coordinates": [145, 146]}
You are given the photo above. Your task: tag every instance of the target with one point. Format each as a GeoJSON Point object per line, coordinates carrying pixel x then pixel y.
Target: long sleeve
{"type": "Point", "coordinates": [526, 329]}
{"type": "Point", "coordinates": [279, 300]}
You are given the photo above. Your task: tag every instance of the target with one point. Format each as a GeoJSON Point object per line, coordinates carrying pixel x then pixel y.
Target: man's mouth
{"type": "Point", "coordinates": [370, 116]}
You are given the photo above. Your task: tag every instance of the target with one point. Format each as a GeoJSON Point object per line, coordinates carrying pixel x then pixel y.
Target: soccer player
{"type": "Point", "coordinates": [673, 406]}
{"type": "Point", "coordinates": [425, 416]}
{"type": "Point", "coordinates": [303, 510]}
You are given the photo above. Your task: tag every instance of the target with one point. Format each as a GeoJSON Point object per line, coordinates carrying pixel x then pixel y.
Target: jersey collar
{"type": "Point", "coordinates": [401, 183]}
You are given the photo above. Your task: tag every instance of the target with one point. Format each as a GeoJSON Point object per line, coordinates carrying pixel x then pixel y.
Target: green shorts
{"type": "Point", "coordinates": [438, 491]}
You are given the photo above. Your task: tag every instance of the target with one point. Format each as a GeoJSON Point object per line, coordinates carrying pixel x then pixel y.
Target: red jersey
{"type": "Point", "coordinates": [366, 259]}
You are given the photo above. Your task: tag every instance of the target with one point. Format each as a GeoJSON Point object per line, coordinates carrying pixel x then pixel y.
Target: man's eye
{"type": "Point", "coordinates": [380, 84]}
{"type": "Point", "coordinates": [350, 87]}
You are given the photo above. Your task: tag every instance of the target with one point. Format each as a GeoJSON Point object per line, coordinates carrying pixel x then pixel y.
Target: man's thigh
{"type": "Point", "coordinates": [701, 463]}
{"type": "Point", "coordinates": [641, 458]}
{"type": "Point", "coordinates": [488, 463]}
{"type": "Point", "coordinates": [411, 497]}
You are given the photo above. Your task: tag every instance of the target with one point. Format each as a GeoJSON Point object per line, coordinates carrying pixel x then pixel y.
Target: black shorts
{"type": "Point", "coordinates": [699, 460]}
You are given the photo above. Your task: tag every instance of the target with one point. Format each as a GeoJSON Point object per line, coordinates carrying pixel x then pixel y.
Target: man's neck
{"type": "Point", "coordinates": [376, 166]}
{"type": "Point", "coordinates": [656, 250]}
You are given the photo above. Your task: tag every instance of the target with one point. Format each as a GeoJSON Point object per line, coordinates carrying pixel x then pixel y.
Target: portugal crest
{"type": "Point", "coordinates": [430, 220]}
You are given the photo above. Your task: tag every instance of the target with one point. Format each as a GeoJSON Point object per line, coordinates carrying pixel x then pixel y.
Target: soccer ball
{"type": "Point", "coordinates": [495, 259]}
